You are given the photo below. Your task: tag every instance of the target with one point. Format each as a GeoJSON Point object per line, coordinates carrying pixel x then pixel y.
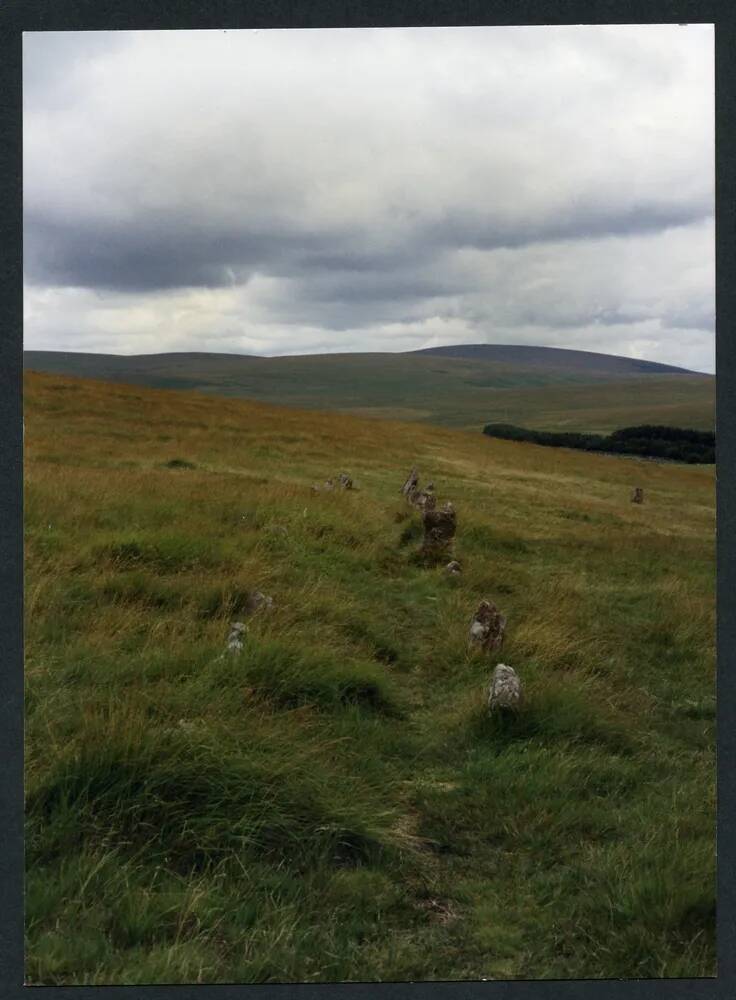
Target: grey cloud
{"type": "Point", "coordinates": [156, 253]}
{"type": "Point", "coordinates": [692, 317]}
{"type": "Point", "coordinates": [56, 63]}
{"type": "Point", "coordinates": [151, 254]}
{"type": "Point", "coordinates": [577, 221]}
{"type": "Point", "coordinates": [528, 180]}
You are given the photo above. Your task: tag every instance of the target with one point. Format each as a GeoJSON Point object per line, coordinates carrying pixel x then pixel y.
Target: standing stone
{"type": "Point", "coordinates": [638, 495]}
{"type": "Point", "coordinates": [235, 640]}
{"type": "Point", "coordinates": [440, 525]}
{"type": "Point", "coordinates": [257, 600]}
{"type": "Point", "coordinates": [487, 627]}
{"type": "Point", "coordinates": [425, 499]}
{"type": "Point", "coordinates": [345, 481]}
{"type": "Point", "coordinates": [453, 568]}
{"type": "Point", "coordinates": [505, 690]}
{"type": "Point", "coordinates": [409, 489]}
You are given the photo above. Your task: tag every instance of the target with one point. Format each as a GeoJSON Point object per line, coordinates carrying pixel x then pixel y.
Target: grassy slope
{"type": "Point", "coordinates": [335, 804]}
{"type": "Point", "coordinates": [453, 392]}
{"type": "Point", "coordinates": [554, 357]}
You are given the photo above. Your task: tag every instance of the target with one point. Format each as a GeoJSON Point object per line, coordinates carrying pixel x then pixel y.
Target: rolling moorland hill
{"type": "Point", "coordinates": [556, 358]}
{"type": "Point", "coordinates": [544, 388]}
{"type": "Point", "coordinates": [335, 802]}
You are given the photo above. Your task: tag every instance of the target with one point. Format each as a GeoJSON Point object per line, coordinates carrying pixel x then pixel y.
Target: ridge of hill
{"type": "Point", "coordinates": [557, 358]}
{"type": "Point", "coordinates": [424, 386]}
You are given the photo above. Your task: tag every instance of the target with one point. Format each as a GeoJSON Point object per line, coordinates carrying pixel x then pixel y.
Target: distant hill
{"type": "Point", "coordinates": [555, 358]}
{"type": "Point", "coordinates": [461, 386]}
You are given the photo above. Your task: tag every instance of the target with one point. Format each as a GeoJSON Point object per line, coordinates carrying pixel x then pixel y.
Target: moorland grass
{"type": "Point", "coordinates": [454, 392]}
{"type": "Point", "coordinates": [335, 802]}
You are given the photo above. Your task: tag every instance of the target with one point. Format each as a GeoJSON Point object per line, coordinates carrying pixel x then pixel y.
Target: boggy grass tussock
{"type": "Point", "coordinates": [185, 795]}
{"type": "Point", "coordinates": [558, 711]}
{"type": "Point", "coordinates": [165, 553]}
{"type": "Point", "coordinates": [292, 676]}
{"type": "Point", "coordinates": [334, 802]}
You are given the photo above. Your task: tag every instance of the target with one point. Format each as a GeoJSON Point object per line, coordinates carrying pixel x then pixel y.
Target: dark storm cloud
{"type": "Point", "coordinates": [214, 185]}
{"type": "Point", "coordinates": [576, 221]}
{"type": "Point", "coordinates": [151, 254]}
{"type": "Point", "coordinates": [144, 259]}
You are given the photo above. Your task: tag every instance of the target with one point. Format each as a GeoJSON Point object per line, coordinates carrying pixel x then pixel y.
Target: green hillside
{"type": "Point", "coordinates": [334, 802]}
{"type": "Point", "coordinates": [450, 391]}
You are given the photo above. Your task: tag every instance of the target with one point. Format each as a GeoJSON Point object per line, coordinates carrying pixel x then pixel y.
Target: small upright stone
{"type": "Point", "coordinates": [258, 600]}
{"type": "Point", "coordinates": [235, 640]}
{"type": "Point", "coordinates": [505, 691]}
{"type": "Point", "coordinates": [638, 495]}
{"type": "Point", "coordinates": [453, 568]}
{"type": "Point", "coordinates": [487, 627]}
{"type": "Point", "coordinates": [345, 481]}
{"type": "Point", "coordinates": [410, 487]}
{"type": "Point", "coordinates": [440, 525]}
{"type": "Point", "coordinates": [425, 499]}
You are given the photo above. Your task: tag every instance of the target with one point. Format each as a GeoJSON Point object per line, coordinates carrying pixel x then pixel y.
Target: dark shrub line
{"type": "Point", "coordinates": [677, 444]}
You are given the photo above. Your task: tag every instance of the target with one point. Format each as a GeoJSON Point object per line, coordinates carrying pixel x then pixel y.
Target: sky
{"type": "Point", "coordinates": [310, 191]}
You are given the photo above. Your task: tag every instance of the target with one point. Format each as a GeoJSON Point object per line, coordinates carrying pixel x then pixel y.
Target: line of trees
{"type": "Point", "coordinates": [677, 444]}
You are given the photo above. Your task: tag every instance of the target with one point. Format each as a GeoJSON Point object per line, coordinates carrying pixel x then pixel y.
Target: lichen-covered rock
{"type": "Point", "coordinates": [638, 495]}
{"type": "Point", "coordinates": [235, 639]}
{"type": "Point", "coordinates": [440, 525]}
{"type": "Point", "coordinates": [345, 481]}
{"type": "Point", "coordinates": [257, 600]}
{"type": "Point", "coordinates": [424, 499]}
{"type": "Point", "coordinates": [505, 692]}
{"type": "Point", "coordinates": [410, 487]}
{"type": "Point", "coordinates": [325, 487]}
{"type": "Point", "coordinates": [487, 627]}
{"type": "Point", "coordinates": [453, 568]}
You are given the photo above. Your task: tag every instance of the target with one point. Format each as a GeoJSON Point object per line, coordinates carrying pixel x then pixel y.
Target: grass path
{"type": "Point", "coordinates": [335, 803]}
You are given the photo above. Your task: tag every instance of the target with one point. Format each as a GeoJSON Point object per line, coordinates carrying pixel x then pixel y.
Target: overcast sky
{"type": "Point", "coordinates": [287, 192]}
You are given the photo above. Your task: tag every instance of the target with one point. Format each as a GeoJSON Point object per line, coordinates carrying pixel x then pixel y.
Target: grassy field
{"type": "Point", "coordinates": [453, 392]}
{"type": "Point", "coordinates": [335, 803]}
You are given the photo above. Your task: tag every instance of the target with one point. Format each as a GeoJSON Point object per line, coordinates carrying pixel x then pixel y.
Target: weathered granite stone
{"type": "Point", "coordinates": [453, 568]}
{"type": "Point", "coordinates": [325, 487]}
{"type": "Point", "coordinates": [257, 600]}
{"type": "Point", "coordinates": [345, 481]}
{"type": "Point", "coordinates": [505, 691]}
{"type": "Point", "coordinates": [235, 640]}
{"type": "Point", "coordinates": [410, 487]}
{"type": "Point", "coordinates": [487, 627]}
{"type": "Point", "coordinates": [440, 524]}
{"type": "Point", "coordinates": [424, 499]}
{"type": "Point", "coordinates": [638, 495]}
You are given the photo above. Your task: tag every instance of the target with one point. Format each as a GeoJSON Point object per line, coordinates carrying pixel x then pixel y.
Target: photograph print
{"type": "Point", "coordinates": [369, 504]}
